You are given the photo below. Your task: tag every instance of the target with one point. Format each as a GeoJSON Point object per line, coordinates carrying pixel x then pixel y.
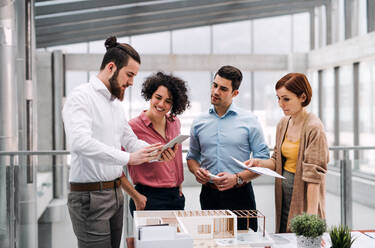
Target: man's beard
{"type": "Point", "coordinates": [116, 90]}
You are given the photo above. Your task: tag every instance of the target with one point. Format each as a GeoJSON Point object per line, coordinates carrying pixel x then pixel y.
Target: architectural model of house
{"type": "Point", "coordinates": [164, 229]}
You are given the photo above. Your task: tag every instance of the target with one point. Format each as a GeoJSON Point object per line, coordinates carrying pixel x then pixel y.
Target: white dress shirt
{"type": "Point", "coordinates": [96, 128]}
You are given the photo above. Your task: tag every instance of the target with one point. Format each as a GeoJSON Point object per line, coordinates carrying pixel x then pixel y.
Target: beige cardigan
{"type": "Point", "coordinates": [313, 157]}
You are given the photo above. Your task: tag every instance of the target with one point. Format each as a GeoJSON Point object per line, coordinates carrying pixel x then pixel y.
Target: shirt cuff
{"type": "Point", "coordinates": [313, 173]}
{"type": "Point", "coordinates": [191, 156]}
{"type": "Point", "coordinates": [122, 157]}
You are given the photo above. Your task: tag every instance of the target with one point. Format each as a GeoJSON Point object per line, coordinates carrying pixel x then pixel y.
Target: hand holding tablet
{"type": "Point", "coordinates": [177, 140]}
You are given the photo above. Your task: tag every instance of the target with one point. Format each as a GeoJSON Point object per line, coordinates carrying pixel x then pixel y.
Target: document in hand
{"type": "Point", "coordinates": [258, 170]}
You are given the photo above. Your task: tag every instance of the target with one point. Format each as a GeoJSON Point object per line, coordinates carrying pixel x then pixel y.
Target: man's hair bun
{"type": "Point", "coordinates": [110, 42]}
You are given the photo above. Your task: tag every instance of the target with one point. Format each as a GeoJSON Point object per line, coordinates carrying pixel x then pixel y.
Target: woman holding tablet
{"type": "Point", "coordinates": [158, 184]}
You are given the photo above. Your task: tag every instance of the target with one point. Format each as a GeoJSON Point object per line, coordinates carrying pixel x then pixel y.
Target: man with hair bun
{"type": "Point", "coordinates": [96, 129]}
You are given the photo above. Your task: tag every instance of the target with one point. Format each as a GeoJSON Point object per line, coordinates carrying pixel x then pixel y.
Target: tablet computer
{"type": "Point", "coordinates": [177, 140]}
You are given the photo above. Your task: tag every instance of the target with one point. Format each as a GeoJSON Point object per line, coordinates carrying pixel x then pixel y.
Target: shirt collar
{"type": "Point", "coordinates": [100, 87]}
{"type": "Point", "coordinates": [232, 109]}
{"type": "Point", "coordinates": [147, 120]}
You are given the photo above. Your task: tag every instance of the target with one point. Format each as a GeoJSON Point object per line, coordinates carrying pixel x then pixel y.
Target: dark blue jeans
{"type": "Point", "coordinates": [232, 199]}
{"type": "Point", "coordinates": [159, 198]}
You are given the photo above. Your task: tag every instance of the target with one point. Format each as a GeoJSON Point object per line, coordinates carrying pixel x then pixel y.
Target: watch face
{"type": "Point", "coordinates": [239, 180]}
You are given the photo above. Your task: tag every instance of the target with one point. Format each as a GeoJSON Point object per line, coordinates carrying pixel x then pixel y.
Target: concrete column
{"type": "Point", "coordinates": [355, 17]}
{"type": "Point", "coordinates": [328, 14]}
{"type": "Point", "coordinates": [26, 183]}
{"type": "Point", "coordinates": [320, 95]}
{"type": "Point", "coordinates": [335, 19]}
{"type": "Point", "coordinates": [59, 170]}
{"type": "Point", "coordinates": [348, 18]}
{"type": "Point", "coordinates": [312, 29]}
{"type": "Point", "coordinates": [297, 62]}
{"type": "Point", "coordinates": [8, 118]}
{"type": "Point", "coordinates": [370, 16]}
{"type": "Point", "coordinates": [321, 13]}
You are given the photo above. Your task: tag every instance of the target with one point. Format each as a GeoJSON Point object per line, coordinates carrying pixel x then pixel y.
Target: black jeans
{"type": "Point", "coordinates": [159, 198]}
{"type": "Point", "coordinates": [232, 199]}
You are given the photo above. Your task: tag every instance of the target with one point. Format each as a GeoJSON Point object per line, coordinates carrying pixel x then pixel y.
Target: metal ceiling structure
{"type": "Point", "coordinates": [60, 22]}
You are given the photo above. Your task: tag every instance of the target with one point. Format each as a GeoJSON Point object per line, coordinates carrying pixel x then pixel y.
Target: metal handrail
{"type": "Point", "coordinates": [66, 152]}
{"type": "Point", "coordinates": [31, 153]}
{"type": "Point", "coordinates": [345, 174]}
{"type": "Point", "coordinates": [354, 148]}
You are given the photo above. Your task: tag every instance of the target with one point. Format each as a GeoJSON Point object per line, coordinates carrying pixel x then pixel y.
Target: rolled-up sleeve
{"type": "Point", "coordinates": [316, 156]}
{"type": "Point", "coordinates": [257, 143]}
{"type": "Point", "coordinates": [194, 147]}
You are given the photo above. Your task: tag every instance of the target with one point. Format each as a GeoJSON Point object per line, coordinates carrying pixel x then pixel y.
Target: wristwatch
{"type": "Point", "coordinates": [239, 179]}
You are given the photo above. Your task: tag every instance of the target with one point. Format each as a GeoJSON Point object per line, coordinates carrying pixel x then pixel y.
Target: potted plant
{"type": "Point", "coordinates": [341, 237]}
{"type": "Point", "coordinates": [309, 230]}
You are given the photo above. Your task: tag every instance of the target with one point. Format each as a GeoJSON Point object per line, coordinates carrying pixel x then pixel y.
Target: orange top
{"type": "Point", "coordinates": [289, 150]}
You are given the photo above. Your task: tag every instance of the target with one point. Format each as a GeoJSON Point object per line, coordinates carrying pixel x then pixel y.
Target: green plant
{"type": "Point", "coordinates": [341, 237]}
{"type": "Point", "coordinates": [308, 225]}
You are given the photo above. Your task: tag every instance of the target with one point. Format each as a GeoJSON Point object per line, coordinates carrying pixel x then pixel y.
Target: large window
{"type": "Point", "coordinates": [158, 43]}
{"type": "Point", "coordinates": [367, 115]}
{"type": "Point", "coordinates": [273, 35]}
{"type": "Point", "coordinates": [301, 33]}
{"type": "Point", "coordinates": [313, 80]}
{"type": "Point", "coordinates": [243, 99]}
{"type": "Point", "coordinates": [199, 84]}
{"type": "Point", "coordinates": [232, 38]}
{"type": "Point", "coordinates": [328, 99]}
{"type": "Point", "coordinates": [266, 104]}
{"type": "Point", "coordinates": [192, 41]}
{"type": "Point", "coordinates": [346, 105]}
{"type": "Point", "coordinates": [133, 102]}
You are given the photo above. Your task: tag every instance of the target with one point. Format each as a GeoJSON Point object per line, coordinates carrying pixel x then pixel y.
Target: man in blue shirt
{"type": "Point", "coordinates": [226, 131]}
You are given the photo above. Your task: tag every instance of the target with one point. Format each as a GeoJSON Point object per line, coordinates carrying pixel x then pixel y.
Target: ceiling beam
{"type": "Point", "coordinates": [162, 8]}
{"type": "Point", "coordinates": [164, 16]}
{"type": "Point", "coordinates": [128, 21]}
{"type": "Point", "coordinates": [155, 26]}
{"type": "Point", "coordinates": [46, 8]}
{"type": "Point", "coordinates": [182, 62]}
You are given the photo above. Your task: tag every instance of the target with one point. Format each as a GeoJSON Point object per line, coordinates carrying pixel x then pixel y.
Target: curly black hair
{"type": "Point", "coordinates": [176, 87]}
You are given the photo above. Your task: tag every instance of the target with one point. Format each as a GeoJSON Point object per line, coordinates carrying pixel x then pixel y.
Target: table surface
{"type": "Point", "coordinates": [212, 243]}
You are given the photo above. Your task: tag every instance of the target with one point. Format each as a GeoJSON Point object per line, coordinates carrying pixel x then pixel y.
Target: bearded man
{"type": "Point", "coordinates": [96, 129]}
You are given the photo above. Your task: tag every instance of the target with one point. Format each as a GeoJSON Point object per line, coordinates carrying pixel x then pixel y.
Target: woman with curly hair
{"type": "Point", "coordinates": [158, 184]}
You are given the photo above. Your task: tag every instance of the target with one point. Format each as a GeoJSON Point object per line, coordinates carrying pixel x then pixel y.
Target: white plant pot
{"type": "Point", "coordinates": [308, 242]}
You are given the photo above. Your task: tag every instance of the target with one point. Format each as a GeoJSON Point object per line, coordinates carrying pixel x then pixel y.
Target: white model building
{"type": "Point", "coordinates": [179, 228]}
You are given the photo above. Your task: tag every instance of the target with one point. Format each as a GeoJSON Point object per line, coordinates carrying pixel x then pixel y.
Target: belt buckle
{"type": "Point", "coordinates": [100, 185]}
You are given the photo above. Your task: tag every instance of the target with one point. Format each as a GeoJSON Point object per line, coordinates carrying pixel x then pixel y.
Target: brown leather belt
{"type": "Point", "coordinates": [213, 186]}
{"type": "Point", "coordinates": [96, 186]}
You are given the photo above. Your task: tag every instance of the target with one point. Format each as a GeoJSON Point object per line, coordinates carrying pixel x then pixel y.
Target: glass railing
{"type": "Point", "coordinates": [28, 177]}
{"type": "Point", "coordinates": [350, 185]}
{"type": "Point", "coordinates": [28, 183]}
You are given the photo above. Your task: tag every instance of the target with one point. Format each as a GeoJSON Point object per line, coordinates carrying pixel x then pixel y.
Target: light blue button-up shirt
{"type": "Point", "coordinates": [214, 140]}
